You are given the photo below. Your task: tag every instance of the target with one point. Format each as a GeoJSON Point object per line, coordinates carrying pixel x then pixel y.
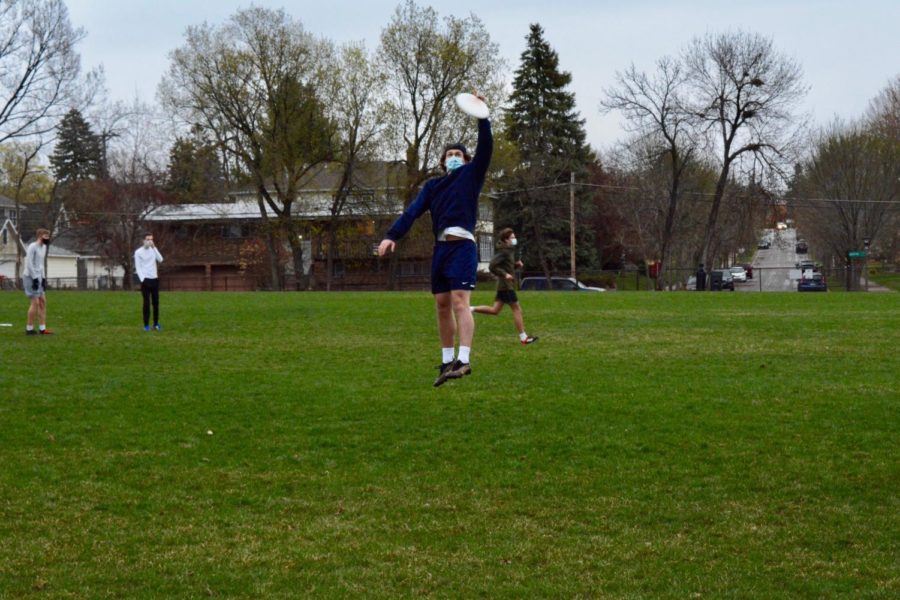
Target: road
{"type": "Point", "coordinates": [773, 266]}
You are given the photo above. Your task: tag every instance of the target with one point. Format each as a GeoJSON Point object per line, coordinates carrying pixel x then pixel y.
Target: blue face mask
{"type": "Point", "coordinates": [453, 163]}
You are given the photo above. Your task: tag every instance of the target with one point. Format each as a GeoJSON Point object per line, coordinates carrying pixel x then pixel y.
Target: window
{"type": "Point", "coordinates": [485, 211]}
{"type": "Point", "coordinates": [236, 231]}
{"type": "Point", "coordinates": [485, 247]}
{"type": "Point", "coordinates": [5, 237]}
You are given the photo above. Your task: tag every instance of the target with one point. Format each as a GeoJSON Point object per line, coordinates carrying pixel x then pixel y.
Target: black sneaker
{"type": "Point", "coordinates": [529, 340]}
{"type": "Point", "coordinates": [445, 370]}
{"type": "Point", "coordinates": [459, 370]}
{"type": "Point", "coordinates": [31, 332]}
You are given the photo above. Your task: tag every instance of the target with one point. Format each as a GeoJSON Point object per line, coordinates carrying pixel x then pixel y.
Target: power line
{"type": "Point", "coordinates": [786, 201]}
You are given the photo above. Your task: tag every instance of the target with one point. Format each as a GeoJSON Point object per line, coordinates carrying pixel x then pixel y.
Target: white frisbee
{"type": "Point", "coordinates": [472, 106]}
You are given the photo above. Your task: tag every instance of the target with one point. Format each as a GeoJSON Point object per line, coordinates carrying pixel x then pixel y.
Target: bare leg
{"type": "Point", "coordinates": [42, 310]}
{"type": "Point", "coordinates": [446, 322]}
{"type": "Point", "coordinates": [464, 319]}
{"type": "Point", "coordinates": [32, 311]}
{"type": "Point", "coordinates": [517, 317]}
{"type": "Point", "coordinates": [489, 310]}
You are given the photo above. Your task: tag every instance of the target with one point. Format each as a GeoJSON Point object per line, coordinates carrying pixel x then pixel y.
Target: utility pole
{"type": "Point", "coordinates": [866, 261]}
{"type": "Point", "coordinates": [572, 223]}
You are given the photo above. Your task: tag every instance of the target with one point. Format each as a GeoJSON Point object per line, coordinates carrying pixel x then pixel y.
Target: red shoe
{"type": "Point", "coordinates": [45, 332]}
{"type": "Point", "coordinates": [529, 340]}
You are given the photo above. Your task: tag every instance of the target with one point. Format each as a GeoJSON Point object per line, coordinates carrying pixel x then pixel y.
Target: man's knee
{"type": "Point", "coordinates": [460, 299]}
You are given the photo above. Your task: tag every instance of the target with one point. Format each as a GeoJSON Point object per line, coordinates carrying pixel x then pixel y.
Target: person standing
{"type": "Point", "coordinates": [452, 200]}
{"type": "Point", "coordinates": [145, 260]}
{"type": "Point", "coordinates": [34, 282]}
{"type": "Point", "coordinates": [503, 265]}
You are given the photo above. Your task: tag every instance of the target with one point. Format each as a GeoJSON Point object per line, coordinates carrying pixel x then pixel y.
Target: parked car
{"type": "Point", "coordinates": [568, 284]}
{"type": "Point", "coordinates": [807, 265]}
{"type": "Point", "coordinates": [764, 244]}
{"type": "Point", "coordinates": [739, 274]}
{"type": "Point", "coordinates": [815, 282]}
{"type": "Point", "coordinates": [691, 284]}
{"type": "Point", "coordinates": [801, 247]}
{"type": "Point", "coordinates": [727, 279]}
{"type": "Point", "coordinates": [749, 269]}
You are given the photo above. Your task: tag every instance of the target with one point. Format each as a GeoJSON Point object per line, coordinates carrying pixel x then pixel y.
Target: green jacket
{"type": "Point", "coordinates": [503, 263]}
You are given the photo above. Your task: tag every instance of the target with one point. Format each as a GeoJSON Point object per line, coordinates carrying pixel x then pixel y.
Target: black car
{"type": "Point", "coordinates": [813, 283]}
{"type": "Point", "coordinates": [727, 280]}
{"type": "Point", "coordinates": [801, 247]}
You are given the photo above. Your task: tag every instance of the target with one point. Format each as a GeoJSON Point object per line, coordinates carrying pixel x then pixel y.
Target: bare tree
{"type": "Point", "coordinates": [39, 68]}
{"type": "Point", "coordinates": [654, 112]}
{"type": "Point", "coordinates": [743, 96]}
{"type": "Point", "coordinates": [850, 189]}
{"type": "Point", "coordinates": [256, 84]}
{"type": "Point", "coordinates": [358, 111]}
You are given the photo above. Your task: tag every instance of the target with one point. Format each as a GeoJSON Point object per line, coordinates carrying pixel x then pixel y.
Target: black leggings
{"type": "Point", "coordinates": [150, 290]}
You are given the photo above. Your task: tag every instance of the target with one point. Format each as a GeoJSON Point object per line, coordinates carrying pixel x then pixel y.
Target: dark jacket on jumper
{"type": "Point", "coordinates": [452, 198]}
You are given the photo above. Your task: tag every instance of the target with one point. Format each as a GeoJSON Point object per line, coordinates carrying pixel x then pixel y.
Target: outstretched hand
{"type": "Point", "coordinates": [386, 246]}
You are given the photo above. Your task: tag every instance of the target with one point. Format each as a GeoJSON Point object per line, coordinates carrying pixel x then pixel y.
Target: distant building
{"type": "Point", "coordinates": [221, 246]}
{"type": "Point", "coordinates": [65, 268]}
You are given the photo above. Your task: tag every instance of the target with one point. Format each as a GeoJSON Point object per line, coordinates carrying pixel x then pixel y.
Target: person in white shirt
{"type": "Point", "coordinates": [145, 259]}
{"type": "Point", "coordinates": [34, 282]}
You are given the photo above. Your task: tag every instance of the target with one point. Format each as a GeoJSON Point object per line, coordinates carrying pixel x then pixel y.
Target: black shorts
{"type": "Point", "coordinates": [507, 296]}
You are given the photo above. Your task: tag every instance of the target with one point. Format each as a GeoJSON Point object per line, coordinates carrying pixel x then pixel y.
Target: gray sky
{"type": "Point", "coordinates": [848, 50]}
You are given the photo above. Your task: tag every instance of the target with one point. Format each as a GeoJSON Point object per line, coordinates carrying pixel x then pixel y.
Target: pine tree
{"type": "Point", "coordinates": [549, 136]}
{"type": "Point", "coordinates": [78, 155]}
{"type": "Point", "coordinates": [194, 173]}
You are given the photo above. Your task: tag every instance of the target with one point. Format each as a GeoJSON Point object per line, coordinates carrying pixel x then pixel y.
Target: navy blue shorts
{"type": "Point", "coordinates": [453, 266]}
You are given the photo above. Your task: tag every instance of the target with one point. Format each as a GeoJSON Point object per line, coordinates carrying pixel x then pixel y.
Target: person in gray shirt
{"type": "Point", "coordinates": [34, 282]}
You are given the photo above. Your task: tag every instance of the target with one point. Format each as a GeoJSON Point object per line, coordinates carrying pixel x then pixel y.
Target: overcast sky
{"type": "Point", "coordinates": [848, 50]}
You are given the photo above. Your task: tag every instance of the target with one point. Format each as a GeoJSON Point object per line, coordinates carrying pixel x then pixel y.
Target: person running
{"type": "Point", "coordinates": [34, 282]}
{"type": "Point", "coordinates": [145, 259]}
{"type": "Point", "coordinates": [452, 200]}
{"type": "Point", "coordinates": [503, 265]}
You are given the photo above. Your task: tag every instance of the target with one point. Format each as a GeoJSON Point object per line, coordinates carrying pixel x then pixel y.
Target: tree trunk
{"type": "Point", "coordinates": [713, 216]}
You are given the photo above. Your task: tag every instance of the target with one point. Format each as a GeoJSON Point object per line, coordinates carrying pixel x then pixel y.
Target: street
{"type": "Point", "coordinates": [772, 267]}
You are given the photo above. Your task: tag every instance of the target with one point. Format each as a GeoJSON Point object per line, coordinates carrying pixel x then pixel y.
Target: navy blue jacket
{"type": "Point", "coordinates": [453, 198]}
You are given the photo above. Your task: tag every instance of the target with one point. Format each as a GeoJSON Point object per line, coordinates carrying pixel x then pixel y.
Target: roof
{"type": "Point", "coordinates": [312, 206]}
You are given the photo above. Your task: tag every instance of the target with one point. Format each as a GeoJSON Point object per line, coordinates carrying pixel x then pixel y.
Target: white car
{"type": "Point", "coordinates": [739, 274]}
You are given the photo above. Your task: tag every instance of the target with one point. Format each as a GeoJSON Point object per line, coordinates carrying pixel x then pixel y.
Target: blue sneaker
{"type": "Point", "coordinates": [157, 327]}
{"type": "Point", "coordinates": [146, 328]}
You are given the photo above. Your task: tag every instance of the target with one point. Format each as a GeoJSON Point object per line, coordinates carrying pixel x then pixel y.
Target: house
{"type": "Point", "coordinates": [65, 267]}
{"type": "Point", "coordinates": [222, 246]}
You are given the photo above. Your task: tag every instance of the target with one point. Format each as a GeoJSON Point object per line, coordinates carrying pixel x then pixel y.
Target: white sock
{"type": "Point", "coordinates": [464, 354]}
{"type": "Point", "coordinates": [29, 328]}
{"type": "Point", "coordinates": [447, 355]}
{"type": "Point", "coordinates": [42, 327]}
{"type": "Point", "coordinates": [523, 336]}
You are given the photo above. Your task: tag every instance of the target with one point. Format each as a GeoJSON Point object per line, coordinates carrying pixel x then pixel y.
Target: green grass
{"type": "Point", "coordinates": [650, 445]}
{"type": "Point", "coordinates": [888, 280]}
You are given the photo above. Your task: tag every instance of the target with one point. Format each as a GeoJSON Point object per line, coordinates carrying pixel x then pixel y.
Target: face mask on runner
{"type": "Point", "coordinates": [453, 163]}
{"type": "Point", "coordinates": [513, 241]}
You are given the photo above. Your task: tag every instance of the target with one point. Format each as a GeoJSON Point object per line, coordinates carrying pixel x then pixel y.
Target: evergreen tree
{"type": "Point", "coordinates": [549, 135]}
{"type": "Point", "coordinates": [78, 155]}
{"type": "Point", "coordinates": [194, 173]}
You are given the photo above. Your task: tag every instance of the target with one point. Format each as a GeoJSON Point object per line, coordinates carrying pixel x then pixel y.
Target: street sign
{"type": "Point", "coordinates": [857, 254]}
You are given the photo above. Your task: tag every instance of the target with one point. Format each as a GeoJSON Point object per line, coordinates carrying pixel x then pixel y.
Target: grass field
{"type": "Point", "coordinates": [282, 445]}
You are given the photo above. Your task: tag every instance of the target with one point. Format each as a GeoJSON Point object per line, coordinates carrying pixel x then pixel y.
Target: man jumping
{"type": "Point", "coordinates": [452, 200]}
